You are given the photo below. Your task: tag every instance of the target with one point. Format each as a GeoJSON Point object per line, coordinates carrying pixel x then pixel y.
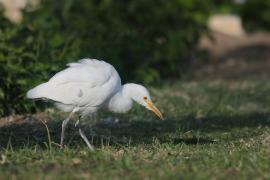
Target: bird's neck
{"type": "Point", "coordinates": [122, 101]}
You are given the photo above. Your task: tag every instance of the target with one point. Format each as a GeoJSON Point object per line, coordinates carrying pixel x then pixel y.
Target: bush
{"type": "Point", "coordinates": [144, 40]}
{"type": "Point", "coordinates": [256, 15]}
{"type": "Point", "coordinates": [16, 66]}
{"type": "Point", "coordinates": [25, 60]}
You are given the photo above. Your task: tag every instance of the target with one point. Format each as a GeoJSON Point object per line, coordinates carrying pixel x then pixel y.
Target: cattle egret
{"type": "Point", "coordinates": [88, 85]}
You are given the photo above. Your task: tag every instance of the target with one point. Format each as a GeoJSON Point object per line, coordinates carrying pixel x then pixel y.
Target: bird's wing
{"type": "Point", "coordinates": [90, 71]}
{"type": "Point", "coordinates": [85, 83]}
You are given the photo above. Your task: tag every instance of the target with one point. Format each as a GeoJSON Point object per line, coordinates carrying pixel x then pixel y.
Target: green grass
{"type": "Point", "coordinates": [213, 130]}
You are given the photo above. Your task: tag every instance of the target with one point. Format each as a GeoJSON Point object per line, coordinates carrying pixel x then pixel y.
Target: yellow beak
{"type": "Point", "coordinates": [153, 108]}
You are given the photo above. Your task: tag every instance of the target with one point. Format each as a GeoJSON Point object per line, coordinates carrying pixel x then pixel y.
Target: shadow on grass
{"type": "Point", "coordinates": [130, 133]}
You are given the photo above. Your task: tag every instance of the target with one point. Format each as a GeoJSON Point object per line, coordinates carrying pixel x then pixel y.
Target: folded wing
{"type": "Point", "coordinates": [85, 83]}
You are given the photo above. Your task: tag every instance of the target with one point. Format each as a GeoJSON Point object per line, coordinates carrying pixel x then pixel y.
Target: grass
{"type": "Point", "coordinates": [213, 130]}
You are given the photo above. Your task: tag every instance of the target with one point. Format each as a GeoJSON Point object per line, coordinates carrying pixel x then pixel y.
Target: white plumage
{"type": "Point", "coordinates": [86, 86]}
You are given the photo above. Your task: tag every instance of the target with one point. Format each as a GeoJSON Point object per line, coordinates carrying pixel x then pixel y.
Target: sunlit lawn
{"type": "Point", "coordinates": [213, 129]}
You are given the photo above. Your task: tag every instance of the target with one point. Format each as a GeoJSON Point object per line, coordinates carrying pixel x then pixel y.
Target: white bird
{"type": "Point", "coordinates": [88, 85]}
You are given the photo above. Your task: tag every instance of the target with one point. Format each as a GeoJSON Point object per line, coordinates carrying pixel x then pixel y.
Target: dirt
{"type": "Point", "coordinates": [230, 57]}
{"type": "Point", "coordinates": [21, 119]}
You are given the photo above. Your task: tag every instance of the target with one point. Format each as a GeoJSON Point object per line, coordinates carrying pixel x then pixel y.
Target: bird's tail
{"type": "Point", "coordinates": [40, 91]}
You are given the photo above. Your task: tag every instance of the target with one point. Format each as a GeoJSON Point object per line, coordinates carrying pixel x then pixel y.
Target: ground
{"type": "Point", "coordinates": [214, 129]}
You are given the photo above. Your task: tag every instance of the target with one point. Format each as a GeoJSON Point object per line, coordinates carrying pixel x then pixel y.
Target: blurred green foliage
{"type": "Point", "coordinates": [17, 59]}
{"type": "Point", "coordinates": [144, 40]}
{"type": "Point", "coordinates": [256, 15]}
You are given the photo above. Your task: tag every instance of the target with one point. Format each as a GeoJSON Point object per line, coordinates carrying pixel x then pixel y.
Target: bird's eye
{"type": "Point", "coordinates": [145, 98]}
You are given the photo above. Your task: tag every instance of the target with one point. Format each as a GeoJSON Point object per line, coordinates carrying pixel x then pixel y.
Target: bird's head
{"type": "Point", "coordinates": [141, 96]}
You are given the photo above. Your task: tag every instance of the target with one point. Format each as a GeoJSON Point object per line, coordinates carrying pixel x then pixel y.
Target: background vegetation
{"type": "Point", "coordinates": [144, 40]}
{"type": "Point", "coordinates": [256, 15]}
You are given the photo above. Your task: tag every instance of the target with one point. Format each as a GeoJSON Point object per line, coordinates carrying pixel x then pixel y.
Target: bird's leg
{"type": "Point", "coordinates": [77, 124]}
{"type": "Point", "coordinates": [64, 124]}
